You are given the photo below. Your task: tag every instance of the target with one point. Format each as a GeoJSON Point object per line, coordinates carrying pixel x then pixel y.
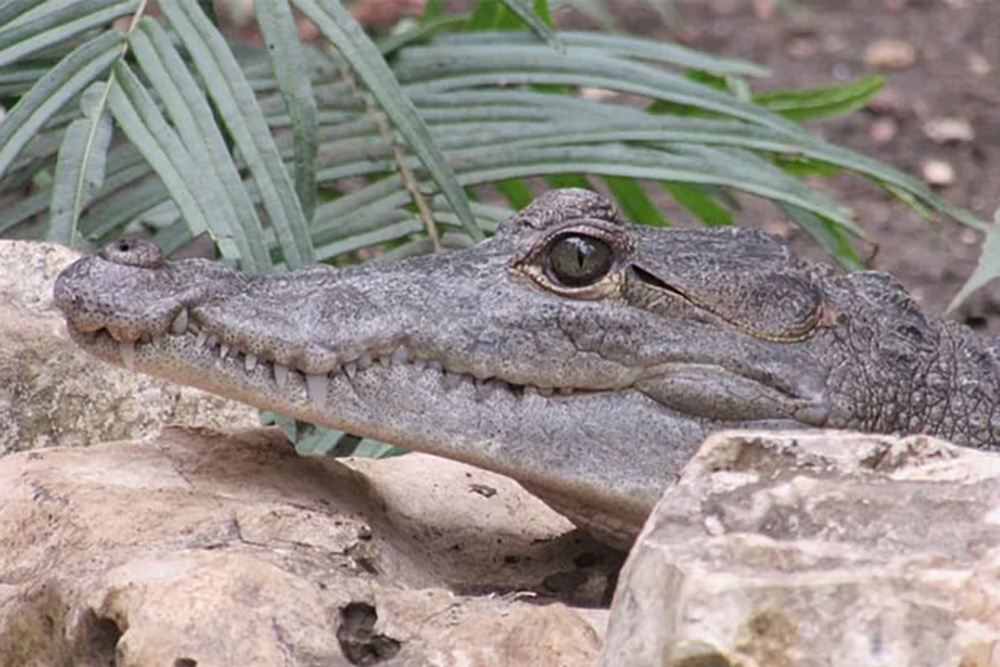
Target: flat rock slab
{"type": "Point", "coordinates": [817, 550]}
{"type": "Point", "coordinates": [198, 547]}
{"type": "Point", "coordinates": [53, 394]}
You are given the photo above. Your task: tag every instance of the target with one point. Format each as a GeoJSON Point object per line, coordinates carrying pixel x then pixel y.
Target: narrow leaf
{"type": "Point", "coordinates": [988, 268]}
{"type": "Point", "coordinates": [830, 235]}
{"type": "Point", "coordinates": [699, 202]}
{"type": "Point", "coordinates": [823, 101]}
{"type": "Point", "coordinates": [537, 24]}
{"type": "Point", "coordinates": [338, 26]}
{"type": "Point", "coordinates": [516, 192]}
{"type": "Point", "coordinates": [79, 174]}
{"type": "Point", "coordinates": [238, 108]}
{"type": "Point", "coordinates": [620, 45]}
{"type": "Point", "coordinates": [15, 12]}
{"type": "Point", "coordinates": [196, 126]}
{"type": "Point", "coordinates": [281, 37]}
{"type": "Point", "coordinates": [484, 16]}
{"type": "Point", "coordinates": [56, 21]}
{"type": "Point", "coordinates": [634, 202]}
{"type": "Point", "coordinates": [73, 73]}
{"type": "Point", "coordinates": [139, 118]}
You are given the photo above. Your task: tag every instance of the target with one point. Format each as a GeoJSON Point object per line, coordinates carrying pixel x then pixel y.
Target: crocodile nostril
{"type": "Point", "coordinates": [133, 252]}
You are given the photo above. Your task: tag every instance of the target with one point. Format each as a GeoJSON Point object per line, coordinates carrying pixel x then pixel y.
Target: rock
{"type": "Point", "coordinates": [978, 64]}
{"type": "Point", "coordinates": [51, 393]}
{"type": "Point", "coordinates": [817, 549]}
{"type": "Point", "coordinates": [890, 54]}
{"type": "Point", "coordinates": [199, 547]}
{"type": "Point", "coordinates": [883, 130]}
{"type": "Point", "coordinates": [949, 130]}
{"type": "Point", "coordinates": [937, 172]}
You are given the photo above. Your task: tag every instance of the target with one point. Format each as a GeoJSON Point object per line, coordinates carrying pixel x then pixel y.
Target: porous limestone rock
{"type": "Point", "coordinates": [817, 550]}
{"type": "Point", "coordinates": [202, 548]}
{"type": "Point", "coordinates": [52, 393]}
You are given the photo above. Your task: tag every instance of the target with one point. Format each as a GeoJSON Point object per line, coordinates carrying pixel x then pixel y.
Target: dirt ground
{"type": "Point", "coordinates": [954, 76]}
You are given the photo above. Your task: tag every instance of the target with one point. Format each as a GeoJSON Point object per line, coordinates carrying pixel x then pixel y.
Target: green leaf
{"type": "Point", "coordinates": [634, 202]}
{"type": "Point", "coordinates": [515, 191]}
{"type": "Point", "coordinates": [337, 25]}
{"type": "Point", "coordinates": [55, 21]}
{"type": "Point", "coordinates": [192, 116]}
{"type": "Point", "coordinates": [616, 46]}
{"type": "Point", "coordinates": [426, 29]}
{"type": "Point", "coordinates": [484, 16]}
{"type": "Point", "coordinates": [539, 25]}
{"type": "Point", "coordinates": [448, 68]}
{"type": "Point", "coordinates": [830, 235]}
{"type": "Point", "coordinates": [568, 181]}
{"type": "Point", "coordinates": [281, 37]}
{"type": "Point", "coordinates": [697, 200]}
{"type": "Point", "coordinates": [988, 268]}
{"type": "Point", "coordinates": [14, 12]}
{"type": "Point", "coordinates": [317, 441]}
{"type": "Point", "coordinates": [139, 118]}
{"type": "Point", "coordinates": [824, 101]}
{"type": "Point", "coordinates": [79, 174]}
{"type": "Point", "coordinates": [238, 108]}
{"type": "Point", "coordinates": [73, 73]}
{"type": "Point", "coordinates": [373, 449]}
{"type": "Point", "coordinates": [800, 166]}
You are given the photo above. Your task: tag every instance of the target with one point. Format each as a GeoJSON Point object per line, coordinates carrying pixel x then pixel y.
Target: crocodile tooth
{"type": "Point", "coordinates": [251, 362]}
{"type": "Point", "coordinates": [383, 362]}
{"type": "Point", "coordinates": [201, 339]}
{"type": "Point", "coordinates": [351, 369]}
{"type": "Point", "coordinates": [546, 391]}
{"type": "Point", "coordinates": [316, 388]}
{"type": "Point", "coordinates": [212, 341]}
{"type": "Point", "coordinates": [419, 364]}
{"type": "Point", "coordinates": [365, 361]}
{"type": "Point", "coordinates": [531, 396]}
{"type": "Point", "coordinates": [483, 389]}
{"type": "Point", "coordinates": [223, 351]}
{"type": "Point", "coordinates": [435, 365]}
{"type": "Point", "coordinates": [451, 380]}
{"type": "Point", "coordinates": [180, 323]}
{"type": "Point", "coordinates": [280, 374]}
{"type": "Point", "coordinates": [127, 350]}
{"type": "Point", "coordinates": [400, 356]}
{"type": "Point", "coordinates": [565, 391]}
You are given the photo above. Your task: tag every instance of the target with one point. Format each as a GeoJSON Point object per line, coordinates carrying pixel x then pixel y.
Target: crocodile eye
{"type": "Point", "coordinates": [133, 252]}
{"type": "Point", "coordinates": [576, 260]}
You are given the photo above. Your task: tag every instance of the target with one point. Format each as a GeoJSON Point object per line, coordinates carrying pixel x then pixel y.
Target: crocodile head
{"type": "Point", "coordinates": [583, 356]}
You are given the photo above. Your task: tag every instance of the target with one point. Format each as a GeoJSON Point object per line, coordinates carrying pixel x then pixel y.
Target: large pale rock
{"type": "Point", "coordinates": [810, 550]}
{"type": "Point", "coordinates": [51, 393]}
{"type": "Point", "coordinates": [201, 548]}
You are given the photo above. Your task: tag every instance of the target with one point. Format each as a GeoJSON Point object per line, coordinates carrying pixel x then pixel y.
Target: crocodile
{"type": "Point", "coordinates": [582, 355]}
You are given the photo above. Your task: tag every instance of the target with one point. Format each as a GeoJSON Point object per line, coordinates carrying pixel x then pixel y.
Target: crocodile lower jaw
{"type": "Point", "coordinates": [299, 386]}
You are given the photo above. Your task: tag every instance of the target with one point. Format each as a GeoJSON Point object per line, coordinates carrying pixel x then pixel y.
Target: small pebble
{"type": "Point", "coordinates": [978, 64]}
{"type": "Point", "coordinates": [883, 130]}
{"type": "Point", "coordinates": [949, 130]}
{"type": "Point", "coordinates": [890, 54]}
{"type": "Point", "coordinates": [938, 172]}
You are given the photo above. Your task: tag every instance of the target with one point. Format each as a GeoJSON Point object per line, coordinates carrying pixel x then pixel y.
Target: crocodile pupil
{"type": "Point", "coordinates": [578, 261]}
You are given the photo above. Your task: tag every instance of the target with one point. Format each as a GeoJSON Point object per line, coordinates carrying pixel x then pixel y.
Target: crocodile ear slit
{"type": "Point", "coordinates": [654, 281]}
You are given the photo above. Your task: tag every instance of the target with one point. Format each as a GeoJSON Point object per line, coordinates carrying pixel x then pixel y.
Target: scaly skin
{"type": "Point", "coordinates": [590, 382]}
